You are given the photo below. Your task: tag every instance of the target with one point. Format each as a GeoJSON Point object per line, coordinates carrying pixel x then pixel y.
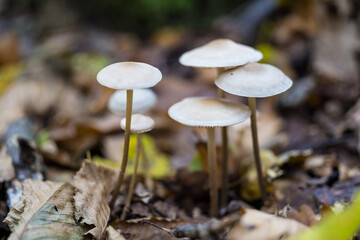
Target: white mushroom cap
{"type": "Point", "coordinates": [129, 75]}
{"type": "Point", "coordinates": [143, 100]}
{"type": "Point", "coordinates": [254, 80]}
{"type": "Point", "coordinates": [139, 123]}
{"type": "Point", "coordinates": [220, 53]}
{"type": "Point", "coordinates": [208, 112]}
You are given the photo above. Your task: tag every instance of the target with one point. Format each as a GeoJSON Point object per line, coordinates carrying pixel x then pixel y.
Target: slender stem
{"type": "Point", "coordinates": [252, 106]}
{"type": "Point", "coordinates": [224, 160]}
{"type": "Point", "coordinates": [146, 166]}
{"type": "Point", "coordinates": [129, 100]}
{"type": "Point", "coordinates": [133, 177]}
{"type": "Point", "coordinates": [211, 148]}
{"type": "Point", "coordinates": [224, 152]}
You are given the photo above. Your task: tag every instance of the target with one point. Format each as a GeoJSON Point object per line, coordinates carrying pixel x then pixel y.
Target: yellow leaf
{"type": "Point", "coordinates": [7, 75]}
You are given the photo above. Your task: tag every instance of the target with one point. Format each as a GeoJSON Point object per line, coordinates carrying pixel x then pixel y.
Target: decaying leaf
{"type": "Point", "coordinates": [63, 210]}
{"type": "Point", "coordinates": [113, 234]}
{"type": "Point", "coordinates": [259, 225]}
{"type": "Point", "coordinates": [7, 171]}
{"type": "Point", "coordinates": [270, 166]}
{"type": "Point", "coordinates": [92, 188]}
{"type": "Point", "coordinates": [45, 209]}
{"type": "Point", "coordinates": [159, 163]}
{"type": "Point", "coordinates": [306, 215]}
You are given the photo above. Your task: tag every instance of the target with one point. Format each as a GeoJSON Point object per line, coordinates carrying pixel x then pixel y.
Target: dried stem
{"type": "Point", "coordinates": [129, 100]}
{"type": "Point", "coordinates": [252, 106]}
{"type": "Point", "coordinates": [211, 148]}
{"type": "Point", "coordinates": [133, 177]}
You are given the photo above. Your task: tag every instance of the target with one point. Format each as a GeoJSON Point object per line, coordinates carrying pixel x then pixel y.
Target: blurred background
{"type": "Point", "coordinates": [51, 51]}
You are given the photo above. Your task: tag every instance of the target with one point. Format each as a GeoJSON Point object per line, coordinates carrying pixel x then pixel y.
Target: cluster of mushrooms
{"type": "Point", "coordinates": [238, 74]}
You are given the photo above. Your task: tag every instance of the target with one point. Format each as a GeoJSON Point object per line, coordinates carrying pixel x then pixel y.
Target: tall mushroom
{"type": "Point", "coordinates": [143, 101]}
{"type": "Point", "coordinates": [139, 124]}
{"type": "Point", "coordinates": [254, 80]}
{"type": "Point", "coordinates": [209, 113]}
{"type": "Point", "coordinates": [127, 76]}
{"type": "Point", "coordinates": [220, 54]}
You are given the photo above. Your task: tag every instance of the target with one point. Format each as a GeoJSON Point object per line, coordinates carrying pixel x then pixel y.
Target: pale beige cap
{"type": "Point", "coordinates": [143, 100]}
{"type": "Point", "coordinates": [220, 53]}
{"type": "Point", "coordinates": [129, 75]}
{"type": "Point", "coordinates": [139, 123]}
{"type": "Point", "coordinates": [254, 80]}
{"type": "Point", "coordinates": [208, 112]}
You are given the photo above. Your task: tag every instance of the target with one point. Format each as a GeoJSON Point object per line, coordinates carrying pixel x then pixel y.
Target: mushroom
{"type": "Point", "coordinates": [139, 124]}
{"type": "Point", "coordinates": [209, 113]}
{"type": "Point", "coordinates": [143, 101]}
{"type": "Point", "coordinates": [127, 76]}
{"type": "Point", "coordinates": [220, 54]}
{"type": "Point", "coordinates": [254, 80]}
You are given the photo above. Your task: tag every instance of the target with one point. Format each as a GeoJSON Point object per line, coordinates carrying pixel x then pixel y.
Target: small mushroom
{"type": "Point", "coordinates": [139, 124]}
{"type": "Point", "coordinates": [128, 76]}
{"type": "Point", "coordinates": [220, 54]}
{"type": "Point", "coordinates": [209, 113]}
{"type": "Point", "coordinates": [143, 100]}
{"type": "Point", "coordinates": [254, 80]}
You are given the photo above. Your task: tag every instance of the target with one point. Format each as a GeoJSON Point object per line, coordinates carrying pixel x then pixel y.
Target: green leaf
{"type": "Point", "coordinates": [340, 226]}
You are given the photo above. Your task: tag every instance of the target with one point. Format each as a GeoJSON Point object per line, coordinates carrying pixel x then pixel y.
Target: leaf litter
{"type": "Point", "coordinates": [309, 136]}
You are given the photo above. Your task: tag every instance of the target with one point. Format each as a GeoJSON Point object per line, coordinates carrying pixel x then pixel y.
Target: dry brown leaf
{"type": "Point", "coordinates": [38, 97]}
{"type": "Point", "coordinates": [7, 171]}
{"type": "Point", "coordinates": [335, 46]}
{"type": "Point", "coordinates": [45, 209]}
{"type": "Point", "coordinates": [92, 188]}
{"type": "Point", "coordinates": [255, 225]}
{"type": "Point", "coordinates": [113, 234]}
{"type": "Point", "coordinates": [305, 215]}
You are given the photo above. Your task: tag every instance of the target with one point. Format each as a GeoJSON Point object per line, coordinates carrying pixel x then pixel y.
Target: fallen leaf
{"type": "Point", "coordinates": [9, 47]}
{"type": "Point", "coordinates": [259, 225]}
{"type": "Point", "coordinates": [159, 162]}
{"type": "Point", "coordinates": [270, 167]}
{"type": "Point", "coordinates": [92, 188]}
{"type": "Point", "coordinates": [45, 209]}
{"type": "Point", "coordinates": [113, 234]}
{"type": "Point", "coordinates": [306, 215]}
{"type": "Point", "coordinates": [7, 171]}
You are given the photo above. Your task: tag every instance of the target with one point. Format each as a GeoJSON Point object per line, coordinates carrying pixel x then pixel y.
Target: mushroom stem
{"type": "Point", "coordinates": [146, 166]}
{"type": "Point", "coordinates": [252, 106]}
{"type": "Point", "coordinates": [129, 100]}
{"type": "Point", "coordinates": [224, 152]}
{"type": "Point", "coordinates": [224, 158]}
{"type": "Point", "coordinates": [211, 148]}
{"type": "Point", "coordinates": [133, 177]}
{"type": "Point", "coordinates": [225, 174]}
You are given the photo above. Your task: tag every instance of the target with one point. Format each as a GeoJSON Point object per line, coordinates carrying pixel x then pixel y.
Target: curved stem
{"type": "Point", "coordinates": [211, 149]}
{"type": "Point", "coordinates": [146, 166]}
{"type": "Point", "coordinates": [133, 177]}
{"type": "Point", "coordinates": [252, 106]}
{"type": "Point", "coordinates": [129, 99]}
